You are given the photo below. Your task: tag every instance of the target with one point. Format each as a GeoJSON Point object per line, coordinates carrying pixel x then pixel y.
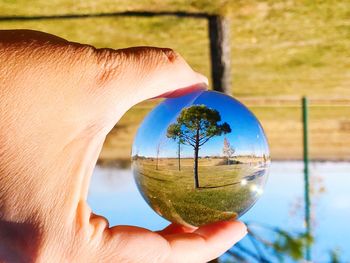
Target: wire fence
{"type": "Point", "coordinates": [329, 126]}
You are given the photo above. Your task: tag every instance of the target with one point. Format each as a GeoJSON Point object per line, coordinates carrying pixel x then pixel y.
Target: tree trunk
{"type": "Point", "coordinates": [195, 167]}
{"type": "Point", "coordinates": [178, 156]}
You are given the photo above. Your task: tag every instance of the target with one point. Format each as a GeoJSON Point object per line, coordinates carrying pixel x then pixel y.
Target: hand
{"type": "Point", "coordinates": [58, 101]}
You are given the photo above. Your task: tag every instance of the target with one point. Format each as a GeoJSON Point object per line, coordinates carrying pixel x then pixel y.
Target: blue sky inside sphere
{"type": "Point", "coordinates": [246, 137]}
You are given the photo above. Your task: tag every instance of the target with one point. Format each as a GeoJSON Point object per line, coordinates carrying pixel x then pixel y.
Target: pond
{"type": "Point", "coordinates": [114, 195]}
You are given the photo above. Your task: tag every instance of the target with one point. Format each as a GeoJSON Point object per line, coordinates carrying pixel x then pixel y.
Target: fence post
{"type": "Point", "coordinates": [219, 28]}
{"type": "Point", "coordinates": [306, 174]}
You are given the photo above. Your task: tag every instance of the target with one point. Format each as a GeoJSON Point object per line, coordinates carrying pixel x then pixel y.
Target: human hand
{"type": "Point", "coordinates": [58, 101]}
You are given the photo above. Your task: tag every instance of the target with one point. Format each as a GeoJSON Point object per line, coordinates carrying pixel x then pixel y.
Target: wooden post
{"type": "Point", "coordinates": [219, 28]}
{"type": "Point", "coordinates": [306, 174]}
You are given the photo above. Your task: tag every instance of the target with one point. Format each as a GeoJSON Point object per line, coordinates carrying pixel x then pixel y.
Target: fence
{"type": "Point", "coordinates": [217, 31]}
{"type": "Point", "coordinates": [317, 119]}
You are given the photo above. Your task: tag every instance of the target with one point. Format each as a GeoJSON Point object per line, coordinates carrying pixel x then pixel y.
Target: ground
{"type": "Point", "coordinates": [281, 50]}
{"type": "Point", "coordinates": [221, 195]}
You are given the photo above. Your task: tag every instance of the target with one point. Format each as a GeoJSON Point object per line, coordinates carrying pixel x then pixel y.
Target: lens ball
{"type": "Point", "coordinates": [200, 158]}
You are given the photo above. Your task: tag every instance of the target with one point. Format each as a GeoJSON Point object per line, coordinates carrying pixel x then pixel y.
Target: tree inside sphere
{"type": "Point", "coordinates": [200, 158]}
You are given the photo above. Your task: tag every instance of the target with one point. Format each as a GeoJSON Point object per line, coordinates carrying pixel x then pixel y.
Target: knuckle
{"type": "Point", "coordinates": [151, 56]}
{"type": "Point", "coordinates": [164, 57]}
{"type": "Point", "coordinates": [108, 63]}
{"type": "Point", "coordinates": [141, 61]}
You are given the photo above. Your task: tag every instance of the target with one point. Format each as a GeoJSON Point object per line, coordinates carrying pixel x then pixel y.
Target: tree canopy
{"type": "Point", "coordinates": [197, 119]}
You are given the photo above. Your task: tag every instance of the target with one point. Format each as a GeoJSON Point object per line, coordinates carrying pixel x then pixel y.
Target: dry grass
{"type": "Point", "coordinates": [220, 197]}
{"type": "Point", "coordinates": [329, 129]}
{"type": "Point", "coordinates": [279, 48]}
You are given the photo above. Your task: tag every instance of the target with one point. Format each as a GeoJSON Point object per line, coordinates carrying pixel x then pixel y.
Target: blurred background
{"type": "Point", "coordinates": [276, 52]}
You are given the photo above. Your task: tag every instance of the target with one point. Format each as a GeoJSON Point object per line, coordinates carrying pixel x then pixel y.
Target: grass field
{"type": "Point", "coordinates": [221, 195]}
{"type": "Point", "coordinates": [280, 49]}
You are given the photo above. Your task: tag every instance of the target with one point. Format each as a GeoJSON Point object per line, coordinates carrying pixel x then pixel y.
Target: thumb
{"type": "Point", "coordinates": [139, 73]}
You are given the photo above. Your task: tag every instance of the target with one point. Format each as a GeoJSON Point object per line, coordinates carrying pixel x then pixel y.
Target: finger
{"type": "Point", "coordinates": [176, 229]}
{"type": "Point", "coordinates": [207, 242]}
{"type": "Point", "coordinates": [135, 244]}
{"type": "Point", "coordinates": [111, 81]}
{"type": "Point", "coordinates": [202, 245]}
{"type": "Point", "coordinates": [139, 73]}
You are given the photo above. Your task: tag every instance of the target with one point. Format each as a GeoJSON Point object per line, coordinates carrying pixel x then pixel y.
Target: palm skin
{"type": "Point", "coordinates": [58, 101]}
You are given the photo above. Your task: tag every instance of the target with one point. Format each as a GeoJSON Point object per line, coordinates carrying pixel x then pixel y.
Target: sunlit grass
{"type": "Point", "coordinates": [172, 194]}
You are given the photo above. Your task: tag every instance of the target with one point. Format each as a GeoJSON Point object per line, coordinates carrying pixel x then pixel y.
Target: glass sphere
{"type": "Point", "coordinates": [200, 158]}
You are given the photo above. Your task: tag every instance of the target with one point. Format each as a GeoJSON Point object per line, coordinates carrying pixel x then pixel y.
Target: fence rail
{"type": "Point", "coordinates": [295, 101]}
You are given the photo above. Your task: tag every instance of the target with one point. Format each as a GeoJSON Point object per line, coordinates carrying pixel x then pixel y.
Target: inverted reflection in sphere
{"type": "Point", "coordinates": [200, 158]}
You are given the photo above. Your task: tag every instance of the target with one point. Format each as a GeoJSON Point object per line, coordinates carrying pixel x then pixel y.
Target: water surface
{"type": "Point", "coordinates": [114, 195]}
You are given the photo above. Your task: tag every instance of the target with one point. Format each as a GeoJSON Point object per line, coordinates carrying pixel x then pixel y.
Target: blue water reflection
{"type": "Point", "coordinates": [114, 194]}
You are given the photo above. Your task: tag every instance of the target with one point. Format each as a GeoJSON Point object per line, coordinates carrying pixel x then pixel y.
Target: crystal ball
{"type": "Point", "coordinates": [200, 158]}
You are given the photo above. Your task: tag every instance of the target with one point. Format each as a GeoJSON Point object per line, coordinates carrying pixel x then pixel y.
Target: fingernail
{"type": "Point", "coordinates": [183, 91]}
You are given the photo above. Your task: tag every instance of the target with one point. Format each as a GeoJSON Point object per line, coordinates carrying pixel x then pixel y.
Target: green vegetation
{"type": "Point", "coordinates": [279, 48]}
{"type": "Point", "coordinates": [171, 192]}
